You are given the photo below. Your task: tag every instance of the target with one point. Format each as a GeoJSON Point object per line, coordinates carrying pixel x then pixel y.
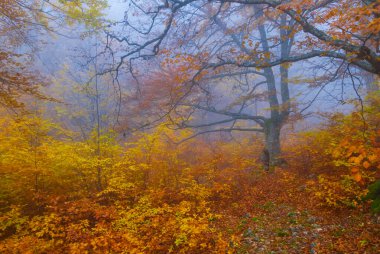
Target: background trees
{"type": "Point", "coordinates": [25, 26]}
{"type": "Point", "coordinates": [16, 76]}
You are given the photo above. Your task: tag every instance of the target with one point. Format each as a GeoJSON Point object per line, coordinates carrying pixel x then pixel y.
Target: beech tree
{"type": "Point", "coordinates": [349, 33]}
{"type": "Point", "coordinates": [243, 39]}
{"type": "Point", "coordinates": [248, 87]}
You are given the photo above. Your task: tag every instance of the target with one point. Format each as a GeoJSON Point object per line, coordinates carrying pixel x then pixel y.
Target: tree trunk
{"type": "Point", "coordinates": [272, 149]}
{"type": "Point", "coordinates": [370, 82]}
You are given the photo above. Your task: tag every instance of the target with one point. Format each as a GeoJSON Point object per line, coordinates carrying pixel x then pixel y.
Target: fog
{"type": "Point", "coordinates": [69, 55]}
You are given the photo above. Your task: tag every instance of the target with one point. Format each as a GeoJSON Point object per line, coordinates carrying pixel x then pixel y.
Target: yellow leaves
{"type": "Point", "coordinates": [336, 153]}
{"type": "Point", "coordinates": [12, 220]}
{"type": "Point", "coordinates": [333, 12]}
{"type": "Point", "coordinates": [353, 151]}
{"type": "Point", "coordinates": [37, 156]}
{"type": "Point", "coordinates": [47, 226]}
{"type": "Point", "coordinates": [183, 227]}
{"type": "Point", "coordinates": [345, 157]}
{"type": "Point", "coordinates": [160, 197]}
{"type": "Point", "coordinates": [184, 208]}
{"type": "Point", "coordinates": [286, 65]}
{"type": "Point", "coordinates": [338, 192]}
{"type": "Point", "coordinates": [87, 11]}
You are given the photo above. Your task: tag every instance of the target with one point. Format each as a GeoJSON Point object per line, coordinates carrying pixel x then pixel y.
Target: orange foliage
{"type": "Point", "coordinates": [163, 197]}
{"type": "Point", "coordinates": [345, 157]}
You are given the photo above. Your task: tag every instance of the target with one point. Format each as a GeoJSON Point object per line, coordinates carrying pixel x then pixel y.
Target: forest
{"type": "Point", "coordinates": [190, 126]}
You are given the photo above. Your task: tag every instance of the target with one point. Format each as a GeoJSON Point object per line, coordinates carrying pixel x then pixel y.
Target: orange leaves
{"type": "Point", "coordinates": [16, 80]}
{"type": "Point", "coordinates": [337, 192]}
{"type": "Point", "coordinates": [366, 164]}
{"type": "Point", "coordinates": [355, 170]}
{"type": "Point", "coordinates": [344, 156]}
{"type": "Point", "coordinates": [158, 197]}
{"type": "Point", "coordinates": [19, 77]}
{"type": "Point", "coordinates": [161, 197]}
{"type": "Point", "coordinates": [346, 20]}
{"type": "Point", "coordinates": [331, 13]}
{"type": "Point", "coordinates": [355, 151]}
{"type": "Point", "coordinates": [357, 159]}
{"type": "Point", "coordinates": [296, 5]}
{"type": "Point", "coordinates": [357, 177]}
{"type": "Point", "coordinates": [350, 17]}
{"type": "Point", "coordinates": [184, 66]}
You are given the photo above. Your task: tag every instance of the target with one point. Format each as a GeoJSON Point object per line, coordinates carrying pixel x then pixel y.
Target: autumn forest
{"type": "Point", "coordinates": [190, 126]}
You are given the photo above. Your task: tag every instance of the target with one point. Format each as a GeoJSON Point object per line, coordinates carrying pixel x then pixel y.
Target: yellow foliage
{"type": "Point", "coordinates": [345, 156]}
{"type": "Point", "coordinates": [337, 193]}
{"type": "Point", "coordinates": [87, 11]}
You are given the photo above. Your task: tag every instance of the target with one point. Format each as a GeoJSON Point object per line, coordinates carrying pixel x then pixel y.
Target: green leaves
{"type": "Point", "coordinates": [374, 195]}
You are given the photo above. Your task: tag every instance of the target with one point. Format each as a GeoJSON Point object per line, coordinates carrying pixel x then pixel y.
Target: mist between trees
{"type": "Point", "coordinates": [189, 126]}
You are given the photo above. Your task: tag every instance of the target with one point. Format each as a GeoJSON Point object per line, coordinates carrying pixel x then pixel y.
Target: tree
{"type": "Point", "coordinates": [346, 36]}
{"type": "Point", "coordinates": [16, 78]}
{"type": "Point", "coordinates": [257, 85]}
{"type": "Point", "coordinates": [23, 26]}
{"type": "Point", "coordinates": [248, 47]}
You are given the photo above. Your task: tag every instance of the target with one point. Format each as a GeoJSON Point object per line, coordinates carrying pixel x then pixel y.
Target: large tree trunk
{"type": "Point", "coordinates": [272, 150]}
{"type": "Point", "coordinates": [371, 82]}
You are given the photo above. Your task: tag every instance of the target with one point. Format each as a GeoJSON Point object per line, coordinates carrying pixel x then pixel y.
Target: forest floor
{"type": "Point", "coordinates": [277, 216]}
{"type": "Point", "coordinates": [275, 213]}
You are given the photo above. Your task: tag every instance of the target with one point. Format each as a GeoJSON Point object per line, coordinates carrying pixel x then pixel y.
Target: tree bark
{"type": "Point", "coordinates": [272, 148]}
